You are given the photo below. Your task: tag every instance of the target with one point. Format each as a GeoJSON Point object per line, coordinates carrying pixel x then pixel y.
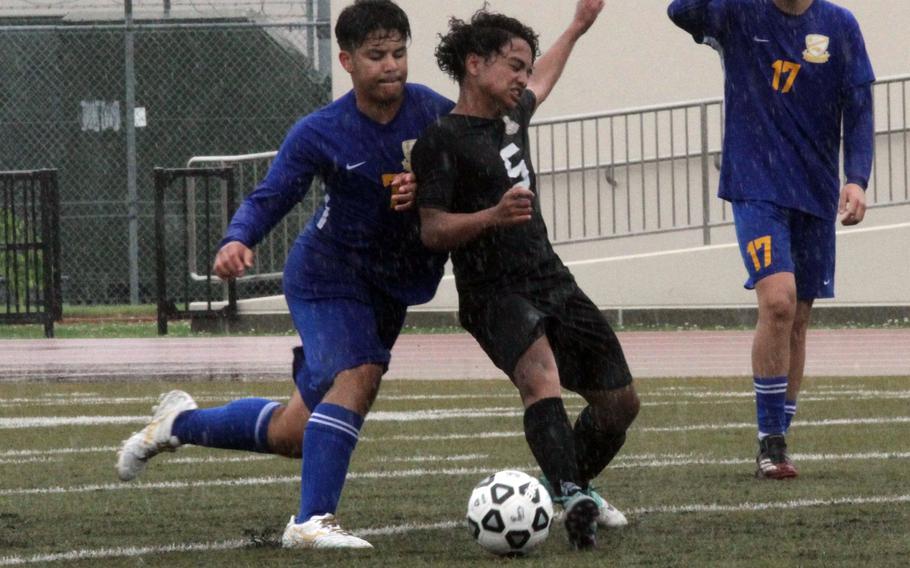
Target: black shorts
{"type": "Point", "coordinates": [587, 351]}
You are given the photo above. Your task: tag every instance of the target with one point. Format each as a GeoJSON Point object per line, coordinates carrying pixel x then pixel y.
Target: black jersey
{"type": "Point", "coordinates": [465, 164]}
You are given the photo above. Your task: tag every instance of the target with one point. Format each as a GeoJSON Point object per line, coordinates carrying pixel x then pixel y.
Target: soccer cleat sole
{"type": "Point", "coordinates": [581, 524]}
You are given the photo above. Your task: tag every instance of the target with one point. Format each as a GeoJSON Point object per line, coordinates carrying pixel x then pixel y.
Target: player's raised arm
{"type": "Point", "coordinates": [549, 67]}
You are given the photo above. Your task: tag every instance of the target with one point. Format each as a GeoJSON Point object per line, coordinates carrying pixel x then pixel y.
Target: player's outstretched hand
{"type": "Point", "coordinates": [515, 207]}
{"type": "Point", "coordinates": [852, 207]}
{"type": "Point", "coordinates": [404, 191]}
{"type": "Point", "coordinates": [232, 260]}
{"type": "Point", "coordinates": [586, 12]}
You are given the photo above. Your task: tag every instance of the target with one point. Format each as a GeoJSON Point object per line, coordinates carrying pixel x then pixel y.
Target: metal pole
{"type": "Point", "coordinates": [324, 33]}
{"type": "Point", "coordinates": [167, 8]}
{"type": "Point", "coordinates": [705, 184]}
{"type": "Point", "coordinates": [132, 192]}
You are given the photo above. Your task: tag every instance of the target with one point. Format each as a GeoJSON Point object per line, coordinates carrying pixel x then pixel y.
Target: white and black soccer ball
{"type": "Point", "coordinates": [509, 513]}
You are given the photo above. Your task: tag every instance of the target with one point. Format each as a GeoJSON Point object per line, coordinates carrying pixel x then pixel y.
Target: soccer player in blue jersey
{"type": "Point", "coordinates": [348, 279]}
{"type": "Point", "coordinates": [796, 75]}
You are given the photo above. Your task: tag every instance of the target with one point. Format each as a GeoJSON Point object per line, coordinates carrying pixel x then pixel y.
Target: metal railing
{"type": "Point", "coordinates": [177, 219]}
{"type": "Point", "coordinates": [655, 169]}
{"type": "Point", "coordinates": [30, 248]}
{"type": "Point", "coordinates": [271, 253]}
{"type": "Point", "coordinates": [624, 173]}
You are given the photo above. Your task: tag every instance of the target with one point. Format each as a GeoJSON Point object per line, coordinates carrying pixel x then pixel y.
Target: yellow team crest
{"type": "Point", "coordinates": [817, 48]}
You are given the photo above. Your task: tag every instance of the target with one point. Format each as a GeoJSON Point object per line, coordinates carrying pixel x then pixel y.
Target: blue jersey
{"type": "Point", "coordinates": [356, 158]}
{"type": "Point", "coordinates": [789, 82]}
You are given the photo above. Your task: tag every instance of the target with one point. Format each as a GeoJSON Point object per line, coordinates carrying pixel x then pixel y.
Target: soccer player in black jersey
{"type": "Point", "coordinates": [477, 199]}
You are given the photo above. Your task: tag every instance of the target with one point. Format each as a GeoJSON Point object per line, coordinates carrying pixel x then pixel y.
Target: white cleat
{"type": "Point", "coordinates": [155, 437]}
{"type": "Point", "coordinates": [320, 531]}
{"type": "Point", "coordinates": [608, 515]}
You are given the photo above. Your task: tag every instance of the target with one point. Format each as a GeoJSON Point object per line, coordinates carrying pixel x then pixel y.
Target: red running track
{"type": "Point", "coordinates": [450, 356]}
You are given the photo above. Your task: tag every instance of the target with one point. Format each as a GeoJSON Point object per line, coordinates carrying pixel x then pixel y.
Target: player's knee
{"type": "Point", "coordinates": [779, 307]}
{"type": "Point", "coordinates": [616, 411]}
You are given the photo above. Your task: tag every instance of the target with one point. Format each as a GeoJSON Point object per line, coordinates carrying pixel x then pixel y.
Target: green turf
{"type": "Point", "coordinates": [668, 462]}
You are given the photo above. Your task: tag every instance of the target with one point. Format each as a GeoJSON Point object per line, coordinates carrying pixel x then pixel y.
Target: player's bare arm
{"type": "Point", "coordinates": [404, 191]}
{"type": "Point", "coordinates": [550, 66]}
{"type": "Point", "coordinates": [233, 259]}
{"type": "Point", "coordinates": [852, 207]}
{"type": "Point", "coordinates": [441, 230]}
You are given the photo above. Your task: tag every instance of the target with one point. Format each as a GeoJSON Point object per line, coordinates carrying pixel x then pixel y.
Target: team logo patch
{"type": "Point", "coordinates": [817, 48]}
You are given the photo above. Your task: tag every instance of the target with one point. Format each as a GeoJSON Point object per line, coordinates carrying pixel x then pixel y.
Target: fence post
{"type": "Point", "coordinates": [705, 181]}
{"type": "Point", "coordinates": [161, 181]}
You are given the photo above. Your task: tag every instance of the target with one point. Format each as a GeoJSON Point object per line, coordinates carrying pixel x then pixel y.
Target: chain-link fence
{"type": "Point", "coordinates": [105, 102]}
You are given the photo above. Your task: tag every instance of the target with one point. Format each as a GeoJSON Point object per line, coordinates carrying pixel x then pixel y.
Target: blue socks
{"type": "Point", "coordinates": [239, 425]}
{"type": "Point", "coordinates": [328, 442]}
{"type": "Point", "coordinates": [770, 396]}
{"type": "Point", "coordinates": [790, 412]}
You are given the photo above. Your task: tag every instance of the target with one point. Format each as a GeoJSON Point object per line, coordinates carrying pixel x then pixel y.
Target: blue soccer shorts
{"type": "Point", "coordinates": [775, 239]}
{"type": "Point", "coordinates": [343, 322]}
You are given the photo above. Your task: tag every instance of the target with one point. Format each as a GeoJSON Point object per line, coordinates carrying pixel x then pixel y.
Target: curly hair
{"type": "Point", "coordinates": [359, 20]}
{"type": "Point", "coordinates": [485, 35]}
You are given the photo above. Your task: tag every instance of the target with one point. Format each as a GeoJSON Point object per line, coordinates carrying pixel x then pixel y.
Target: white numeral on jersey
{"type": "Point", "coordinates": [518, 172]}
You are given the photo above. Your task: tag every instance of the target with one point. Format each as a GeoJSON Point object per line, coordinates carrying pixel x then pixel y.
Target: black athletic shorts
{"type": "Point", "coordinates": [587, 351]}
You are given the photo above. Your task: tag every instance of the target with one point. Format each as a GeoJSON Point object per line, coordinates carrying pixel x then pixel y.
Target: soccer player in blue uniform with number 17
{"type": "Point", "coordinates": [796, 73]}
{"type": "Point", "coordinates": [348, 279]}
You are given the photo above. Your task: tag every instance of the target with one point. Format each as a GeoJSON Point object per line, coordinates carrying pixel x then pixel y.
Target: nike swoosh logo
{"type": "Point", "coordinates": [760, 40]}
{"type": "Point", "coordinates": [354, 166]}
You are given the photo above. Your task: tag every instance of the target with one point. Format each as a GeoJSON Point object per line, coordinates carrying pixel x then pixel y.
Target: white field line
{"type": "Point", "coordinates": [418, 415]}
{"type": "Point", "coordinates": [45, 456]}
{"type": "Point", "coordinates": [22, 461]}
{"type": "Point", "coordinates": [800, 423]}
{"type": "Point", "coordinates": [240, 482]}
{"type": "Point", "coordinates": [748, 507]}
{"type": "Point", "coordinates": [621, 463]}
{"type": "Point", "coordinates": [675, 394]}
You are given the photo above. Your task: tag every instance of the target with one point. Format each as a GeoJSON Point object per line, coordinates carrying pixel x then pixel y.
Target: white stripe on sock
{"type": "Point", "coordinates": [336, 425]}
{"type": "Point", "coordinates": [266, 410]}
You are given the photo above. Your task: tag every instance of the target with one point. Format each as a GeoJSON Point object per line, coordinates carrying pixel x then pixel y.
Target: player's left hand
{"type": "Point", "coordinates": [586, 12]}
{"type": "Point", "coordinates": [404, 191]}
{"type": "Point", "coordinates": [852, 206]}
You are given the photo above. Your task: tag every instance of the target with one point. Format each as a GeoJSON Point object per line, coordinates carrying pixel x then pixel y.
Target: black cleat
{"type": "Point", "coordinates": [772, 460]}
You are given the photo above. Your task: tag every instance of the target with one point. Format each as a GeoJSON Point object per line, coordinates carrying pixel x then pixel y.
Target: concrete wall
{"type": "Point", "coordinates": [873, 270]}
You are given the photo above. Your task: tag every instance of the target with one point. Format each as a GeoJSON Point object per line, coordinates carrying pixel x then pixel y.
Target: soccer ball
{"type": "Point", "coordinates": [509, 513]}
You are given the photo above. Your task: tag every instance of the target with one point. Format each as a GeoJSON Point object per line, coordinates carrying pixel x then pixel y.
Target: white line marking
{"type": "Point", "coordinates": [418, 415]}
{"type": "Point", "coordinates": [57, 421]}
{"type": "Point", "coordinates": [239, 482]}
{"type": "Point", "coordinates": [621, 463]}
{"type": "Point", "coordinates": [756, 507]}
{"type": "Point", "coordinates": [58, 451]}
{"type": "Point", "coordinates": [431, 459]}
{"type": "Point", "coordinates": [132, 552]}
{"type": "Point", "coordinates": [800, 423]}
{"type": "Point", "coordinates": [22, 461]}
{"type": "Point", "coordinates": [121, 552]}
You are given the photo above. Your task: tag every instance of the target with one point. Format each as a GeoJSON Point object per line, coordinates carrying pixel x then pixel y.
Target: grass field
{"type": "Point", "coordinates": [684, 479]}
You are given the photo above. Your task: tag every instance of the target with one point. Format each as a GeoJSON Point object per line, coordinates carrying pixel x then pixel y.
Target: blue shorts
{"type": "Point", "coordinates": [776, 239]}
{"type": "Point", "coordinates": [343, 323]}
